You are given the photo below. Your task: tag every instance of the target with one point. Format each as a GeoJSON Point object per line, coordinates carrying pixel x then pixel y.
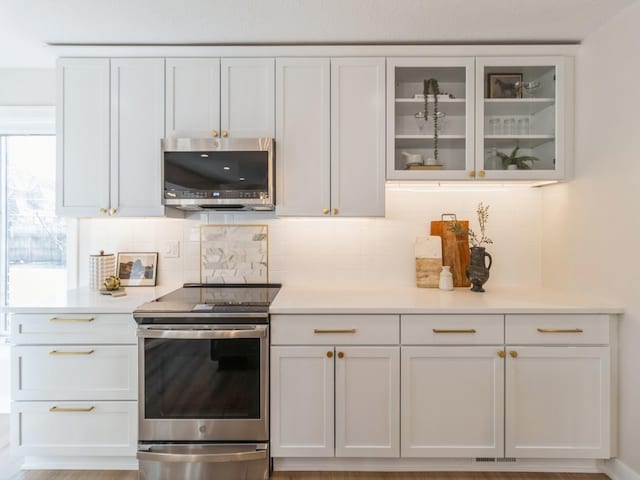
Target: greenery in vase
{"type": "Point", "coordinates": [475, 239]}
{"type": "Point", "coordinates": [431, 86]}
{"type": "Point", "coordinates": [513, 159]}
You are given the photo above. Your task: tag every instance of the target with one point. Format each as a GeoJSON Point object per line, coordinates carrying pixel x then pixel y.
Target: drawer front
{"type": "Point", "coordinates": [59, 372]}
{"type": "Point", "coordinates": [335, 329]}
{"type": "Point", "coordinates": [74, 428]}
{"type": "Point", "coordinates": [72, 328]}
{"type": "Point", "coordinates": [557, 329]}
{"type": "Point", "coordinates": [452, 329]}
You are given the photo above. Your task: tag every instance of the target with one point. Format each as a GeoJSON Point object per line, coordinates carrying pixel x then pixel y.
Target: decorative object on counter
{"type": "Point", "coordinates": [478, 271]}
{"type": "Point", "coordinates": [137, 269]}
{"type": "Point", "coordinates": [111, 283]}
{"type": "Point", "coordinates": [446, 278]}
{"type": "Point", "coordinates": [504, 85]}
{"type": "Point", "coordinates": [513, 162]}
{"type": "Point", "coordinates": [234, 254]}
{"type": "Point", "coordinates": [431, 86]}
{"type": "Point", "coordinates": [455, 247]}
{"type": "Point", "coordinates": [101, 266]}
{"type": "Point", "coordinates": [428, 251]}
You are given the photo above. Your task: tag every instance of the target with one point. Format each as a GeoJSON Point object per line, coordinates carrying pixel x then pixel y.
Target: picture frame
{"type": "Point", "coordinates": [137, 269]}
{"type": "Point", "coordinates": [503, 85]}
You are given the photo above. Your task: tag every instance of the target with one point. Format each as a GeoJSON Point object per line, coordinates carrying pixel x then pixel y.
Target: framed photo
{"type": "Point", "coordinates": [505, 85]}
{"type": "Point", "coordinates": [137, 269]}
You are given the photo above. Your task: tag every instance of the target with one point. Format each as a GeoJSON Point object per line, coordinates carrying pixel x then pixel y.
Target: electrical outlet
{"type": "Point", "coordinates": [172, 249]}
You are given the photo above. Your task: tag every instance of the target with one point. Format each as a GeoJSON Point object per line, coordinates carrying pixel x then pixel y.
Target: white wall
{"type": "Point", "coordinates": [340, 251]}
{"type": "Point", "coordinates": [591, 239]}
{"type": "Point", "coordinates": [29, 86]}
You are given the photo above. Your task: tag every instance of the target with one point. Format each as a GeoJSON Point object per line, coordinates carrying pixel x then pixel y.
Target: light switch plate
{"type": "Point", "coordinates": [171, 249]}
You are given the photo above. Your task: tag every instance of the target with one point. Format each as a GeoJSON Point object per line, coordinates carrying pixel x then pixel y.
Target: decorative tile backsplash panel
{"type": "Point", "coordinates": [234, 254]}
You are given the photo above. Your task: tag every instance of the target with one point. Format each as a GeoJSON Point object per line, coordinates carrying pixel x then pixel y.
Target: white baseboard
{"type": "Point", "coordinates": [80, 463]}
{"type": "Point", "coordinates": [617, 470]}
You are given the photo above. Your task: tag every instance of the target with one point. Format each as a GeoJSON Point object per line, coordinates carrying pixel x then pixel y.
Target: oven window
{"type": "Point", "coordinates": [202, 378]}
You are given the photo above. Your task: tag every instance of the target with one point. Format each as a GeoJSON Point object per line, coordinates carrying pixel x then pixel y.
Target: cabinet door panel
{"type": "Point", "coordinates": [303, 136]}
{"type": "Point", "coordinates": [137, 127]}
{"type": "Point", "coordinates": [367, 402]}
{"type": "Point", "coordinates": [248, 97]}
{"type": "Point", "coordinates": [302, 391]}
{"type": "Point", "coordinates": [82, 137]}
{"type": "Point", "coordinates": [557, 402]}
{"type": "Point", "coordinates": [192, 97]}
{"type": "Point", "coordinates": [452, 402]}
{"type": "Point", "coordinates": [357, 136]}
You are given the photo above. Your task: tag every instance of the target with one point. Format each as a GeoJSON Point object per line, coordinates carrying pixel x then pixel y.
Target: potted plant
{"type": "Point", "coordinates": [432, 87]}
{"type": "Point", "coordinates": [513, 162]}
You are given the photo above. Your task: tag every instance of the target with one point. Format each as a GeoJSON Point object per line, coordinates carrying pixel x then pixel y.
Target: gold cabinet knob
{"type": "Point", "coordinates": [513, 354]}
{"type": "Point", "coordinates": [103, 211]}
{"type": "Point", "coordinates": [112, 211]}
{"type": "Point", "coordinates": [325, 211]}
{"type": "Point", "coordinates": [340, 355]}
{"type": "Point", "coordinates": [472, 173]}
{"type": "Point", "coordinates": [329, 354]}
{"type": "Point", "coordinates": [482, 173]}
{"type": "Point", "coordinates": [336, 211]}
{"type": "Point", "coordinates": [225, 133]}
{"type": "Point", "coordinates": [501, 353]}
{"type": "Point", "coordinates": [214, 133]}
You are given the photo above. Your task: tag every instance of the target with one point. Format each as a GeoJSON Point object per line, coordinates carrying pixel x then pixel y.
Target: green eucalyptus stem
{"type": "Point", "coordinates": [431, 85]}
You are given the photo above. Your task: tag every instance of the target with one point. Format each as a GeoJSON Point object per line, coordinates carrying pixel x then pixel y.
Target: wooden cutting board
{"type": "Point", "coordinates": [455, 249]}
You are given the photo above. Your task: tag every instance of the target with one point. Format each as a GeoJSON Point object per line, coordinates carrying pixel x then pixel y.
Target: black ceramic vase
{"type": "Point", "coordinates": [478, 271]}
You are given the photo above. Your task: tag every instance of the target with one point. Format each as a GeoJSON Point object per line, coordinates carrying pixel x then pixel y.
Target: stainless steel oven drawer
{"type": "Point", "coordinates": [203, 461]}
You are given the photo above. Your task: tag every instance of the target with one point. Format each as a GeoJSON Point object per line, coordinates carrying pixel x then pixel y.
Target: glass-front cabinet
{"type": "Point", "coordinates": [433, 141]}
{"type": "Point", "coordinates": [520, 118]}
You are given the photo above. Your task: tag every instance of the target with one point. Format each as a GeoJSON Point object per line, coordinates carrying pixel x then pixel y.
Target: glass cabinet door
{"type": "Point", "coordinates": [520, 126]}
{"type": "Point", "coordinates": [411, 145]}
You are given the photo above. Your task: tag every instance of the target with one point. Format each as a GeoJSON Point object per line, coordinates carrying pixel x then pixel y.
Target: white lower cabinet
{"type": "Point", "coordinates": [558, 402]}
{"type": "Point", "coordinates": [452, 401]}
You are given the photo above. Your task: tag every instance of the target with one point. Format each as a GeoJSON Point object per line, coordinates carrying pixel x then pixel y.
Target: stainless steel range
{"type": "Point", "coordinates": [203, 380]}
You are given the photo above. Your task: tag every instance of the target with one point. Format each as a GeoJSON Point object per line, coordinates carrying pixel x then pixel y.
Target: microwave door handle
{"type": "Point", "coordinates": [202, 458]}
{"type": "Point", "coordinates": [259, 331]}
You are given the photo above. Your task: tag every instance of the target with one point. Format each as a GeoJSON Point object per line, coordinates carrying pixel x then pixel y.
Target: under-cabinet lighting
{"type": "Point", "coordinates": [409, 186]}
{"type": "Point", "coordinates": [226, 168]}
{"type": "Point", "coordinates": [204, 155]}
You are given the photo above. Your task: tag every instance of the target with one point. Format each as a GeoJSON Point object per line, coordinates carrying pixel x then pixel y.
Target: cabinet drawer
{"type": "Point", "coordinates": [94, 372]}
{"type": "Point", "coordinates": [335, 329]}
{"type": "Point", "coordinates": [557, 329]}
{"type": "Point", "coordinates": [452, 329]}
{"type": "Point", "coordinates": [74, 428]}
{"type": "Point", "coordinates": [72, 328]}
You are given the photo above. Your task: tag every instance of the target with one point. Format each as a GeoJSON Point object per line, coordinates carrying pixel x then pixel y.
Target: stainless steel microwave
{"type": "Point", "coordinates": [230, 174]}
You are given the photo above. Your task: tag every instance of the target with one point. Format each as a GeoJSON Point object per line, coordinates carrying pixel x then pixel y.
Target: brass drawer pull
{"type": "Point", "coordinates": [464, 330]}
{"type": "Point", "coordinates": [560, 330]}
{"type": "Point", "coordinates": [75, 409]}
{"type": "Point", "coordinates": [513, 354]}
{"type": "Point", "coordinates": [340, 354]}
{"type": "Point", "coordinates": [329, 354]}
{"type": "Point", "coordinates": [501, 353]}
{"type": "Point", "coordinates": [348, 330]}
{"type": "Point", "coordinates": [63, 319]}
{"type": "Point", "coordinates": [57, 352]}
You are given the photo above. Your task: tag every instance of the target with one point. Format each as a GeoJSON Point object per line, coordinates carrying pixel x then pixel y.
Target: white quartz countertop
{"type": "Point", "coordinates": [415, 300]}
{"type": "Point", "coordinates": [83, 300]}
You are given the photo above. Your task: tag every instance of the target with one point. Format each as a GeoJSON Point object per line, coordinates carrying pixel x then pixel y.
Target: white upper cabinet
{"type": "Point", "coordinates": [137, 127]}
{"type": "Point", "coordinates": [418, 149]}
{"type": "Point", "coordinates": [520, 103]}
{"type": "Point", "coordinates": [303, 136]}
{"type": "Point", "coordinates": [192, 97]}
{"type": "Point", "coordinates": [82, 137]}
{"type": "Point", "coordinates": [247, 106]}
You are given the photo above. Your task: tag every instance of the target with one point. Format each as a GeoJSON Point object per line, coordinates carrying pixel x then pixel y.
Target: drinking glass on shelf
{"type": "Point", "coordinates": [524, 126]}
{"type": "Point", "coordinates": [495, 126]}
{"type": "Point", "coordinates": [510, 126]}
{"type": "Point", "coordinates": [421, 121]}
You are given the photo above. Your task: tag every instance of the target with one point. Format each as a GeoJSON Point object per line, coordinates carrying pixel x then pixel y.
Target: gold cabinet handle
{"type": "Point", "coordinates": [325, 211]}
{"type": "Point", "coordinates": [501, 353]}
{"type": "Point", "coordinates": [482, 173]}
{"type": "Point", "coordinates": [340, 355]}
{"type": "Point", "coordinates": [348, 330]}
{"type": "Point", "coordinates": [336, 211]}
{"type": "Point", "coordinates": [112, 211]}
{"type": "Point", "coordinates": [329, 354]}
{"type": "Point", "coordinates": [560, 330]}
{"type": "Point", "coordinates": [472, 173]}
{"type": "Point", "coordinates": [103, 211]}
{"type": "Point", "coordinates": [58, 352]}
{"type": "Point", "coordinates": [75, 409]}
{"type": "Point", "coordinates": [214, 133]}
{"type": "Point", "coordinates": [463, 330]}
{"type": "Point", "coordinates": [64, 319]}
{"type": "Point", "coordinates": [513, 354]}
{"type": "Point", "coordinates": [225, 133]}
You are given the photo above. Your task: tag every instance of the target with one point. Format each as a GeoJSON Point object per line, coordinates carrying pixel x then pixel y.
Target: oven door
{"type": "Point", "coordinates": [203, 383]}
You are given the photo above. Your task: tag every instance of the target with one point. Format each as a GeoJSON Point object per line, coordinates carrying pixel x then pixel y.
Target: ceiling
{"type": "Point", "coordinates": [26, 25]}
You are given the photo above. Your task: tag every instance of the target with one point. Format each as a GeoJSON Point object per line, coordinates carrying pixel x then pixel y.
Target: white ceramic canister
{"type": "Point", "coordinates": [101, 266]}
{"type": "Point", "coordinates": [446, 278]}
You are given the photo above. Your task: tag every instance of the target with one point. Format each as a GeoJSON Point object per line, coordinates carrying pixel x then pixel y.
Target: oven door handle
{"type": "Point", "coordinates": [257, 331]}
{"type": "Point", "coordinates": [203, 457]}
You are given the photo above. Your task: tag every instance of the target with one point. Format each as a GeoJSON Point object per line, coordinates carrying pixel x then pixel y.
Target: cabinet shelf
{"type": "Point", "coordinates": [516, 106]}
{"type": "Point", "coordinates": [410, 106]}
{"type": "Point", "coordinates": [423, 141]}
{"type": "Point", "coordinates": [524, 141]}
